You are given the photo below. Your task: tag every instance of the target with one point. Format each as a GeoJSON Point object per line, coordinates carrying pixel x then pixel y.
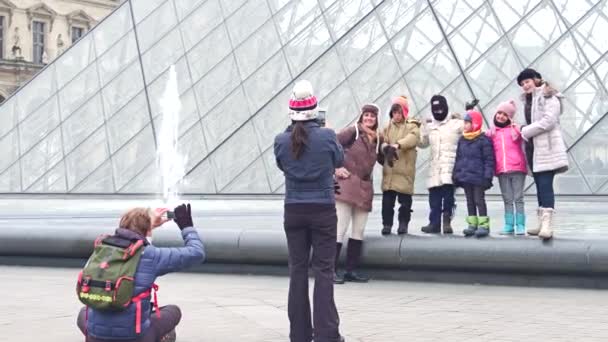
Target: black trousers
{"type": "Point", "coordinates": [170, 316]}
{"type": "Point", "coordinates": [388, 207]}
{"type": "Point", "coordinates": [306, 226]}
{"type": "Point", "coordinates": [476, 200]}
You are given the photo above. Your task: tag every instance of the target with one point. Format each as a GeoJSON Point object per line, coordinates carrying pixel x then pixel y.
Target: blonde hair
{"type": "Point", "coordinates": [137, 220]}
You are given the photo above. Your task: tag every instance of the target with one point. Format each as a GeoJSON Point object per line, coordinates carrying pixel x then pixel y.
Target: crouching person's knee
{"type": "Point", "coordinates": [172, 314]}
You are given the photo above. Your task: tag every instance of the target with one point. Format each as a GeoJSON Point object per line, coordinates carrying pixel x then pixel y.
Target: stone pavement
{"type": "Point", "coordinates": [252, 308]}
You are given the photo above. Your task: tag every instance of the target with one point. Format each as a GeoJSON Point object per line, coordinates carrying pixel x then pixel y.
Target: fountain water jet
{"type": "Point", "coordinates": [170, 162]}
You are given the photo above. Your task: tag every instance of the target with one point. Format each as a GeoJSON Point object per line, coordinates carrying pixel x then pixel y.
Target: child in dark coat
{"type": "Point", "coordinates": [473, 171]}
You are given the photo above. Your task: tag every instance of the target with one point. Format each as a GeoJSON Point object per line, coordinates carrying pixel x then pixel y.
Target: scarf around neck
{"type": "Point", "coordinates": [502, 125]}
{"type": "Point", "coordinates": [471, 135]}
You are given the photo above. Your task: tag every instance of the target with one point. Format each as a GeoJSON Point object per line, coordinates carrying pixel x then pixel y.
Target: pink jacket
{"type": "Point", "coordinates": [508, 150]}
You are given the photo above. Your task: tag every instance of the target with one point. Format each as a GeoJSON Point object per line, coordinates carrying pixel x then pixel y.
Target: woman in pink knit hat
{"type": "Point", "coordinates": [510, 166]}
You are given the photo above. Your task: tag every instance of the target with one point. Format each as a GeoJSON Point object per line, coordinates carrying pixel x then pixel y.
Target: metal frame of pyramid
{"type": "Point", "coordinates": [88, 122]}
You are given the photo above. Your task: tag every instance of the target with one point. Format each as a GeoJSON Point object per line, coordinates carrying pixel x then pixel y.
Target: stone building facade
{"type": "Point", "coordinates": [34, 32]}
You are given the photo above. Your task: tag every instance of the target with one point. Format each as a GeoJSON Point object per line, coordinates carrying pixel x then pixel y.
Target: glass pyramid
{"type": "Point", "coordinates": [88, 122]}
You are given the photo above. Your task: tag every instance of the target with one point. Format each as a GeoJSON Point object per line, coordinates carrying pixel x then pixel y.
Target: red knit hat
{"type": "Point", "coordinates": [475, 118]}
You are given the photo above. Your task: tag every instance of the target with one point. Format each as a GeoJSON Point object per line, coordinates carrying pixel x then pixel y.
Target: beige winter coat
{"type": "Point", "coordinates": [443, 138]}
{"type": "Point", "coordinates": [550, 152]}
{"type": "Point", "coordinates": [401, 176]}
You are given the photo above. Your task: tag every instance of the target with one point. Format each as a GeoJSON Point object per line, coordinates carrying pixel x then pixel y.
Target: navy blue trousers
{"type": "Point", "coordinates": [544, 188]}
{"type": "Point", "coordinates": [441, 200]}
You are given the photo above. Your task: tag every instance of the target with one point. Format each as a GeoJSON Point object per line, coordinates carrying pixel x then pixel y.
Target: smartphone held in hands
{"type": "Point", "coordinates": [321, 117]}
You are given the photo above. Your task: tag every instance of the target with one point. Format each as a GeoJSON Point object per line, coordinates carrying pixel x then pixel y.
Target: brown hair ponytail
{"type": "Point", "coordinates": [299, 138]}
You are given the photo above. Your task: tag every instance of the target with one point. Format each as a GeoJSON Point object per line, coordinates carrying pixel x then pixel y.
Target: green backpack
{"type": "Point", "coordinates": [107, 280]}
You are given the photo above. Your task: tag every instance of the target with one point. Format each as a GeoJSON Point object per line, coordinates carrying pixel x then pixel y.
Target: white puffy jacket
{"type": "Point", "coordinates": [443, 138]}
{"type": "Point", "coordinates": [550, 152]}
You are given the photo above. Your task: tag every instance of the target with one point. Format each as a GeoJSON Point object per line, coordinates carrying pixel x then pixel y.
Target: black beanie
{"type": "Point", "coordinates": [439, 107]}
{"type": "Point", "coordinates": [528, 73]}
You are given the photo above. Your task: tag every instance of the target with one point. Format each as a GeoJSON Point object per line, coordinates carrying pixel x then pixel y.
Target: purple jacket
{"type": "Point", "coordinates": [154, 262]}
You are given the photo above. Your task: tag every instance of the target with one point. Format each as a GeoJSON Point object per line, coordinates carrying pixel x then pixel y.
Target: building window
{"type": "Point", "coordinates": [1, 37]}
{"type": "Point", "coordinates": [77, 32]}
{"type": "Point", "coordinates": [38, 35]}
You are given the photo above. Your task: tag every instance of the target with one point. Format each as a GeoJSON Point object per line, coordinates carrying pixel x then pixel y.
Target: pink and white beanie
{"type": "Point", "coordinates": [302, 104]}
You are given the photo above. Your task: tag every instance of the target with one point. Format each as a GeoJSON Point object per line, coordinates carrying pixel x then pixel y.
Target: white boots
{"type": "Point", "coordinates": [535, 230]}
{"type": "Point", "coordinates": [544, 226]}
{"type": "Point", "coordinates": [546, 230]}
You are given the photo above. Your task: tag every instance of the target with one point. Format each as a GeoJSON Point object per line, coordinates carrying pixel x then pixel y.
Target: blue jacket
{"type": "Point", "coordinates": [309, 179]}
{"type": "Point", "coordinates": [474, 162]}
{"type": "Point", "coordinates": [154, 262]}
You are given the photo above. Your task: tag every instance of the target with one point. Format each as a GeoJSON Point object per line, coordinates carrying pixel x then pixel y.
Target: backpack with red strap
{"type": "Point", "coordinates": [107, 281]}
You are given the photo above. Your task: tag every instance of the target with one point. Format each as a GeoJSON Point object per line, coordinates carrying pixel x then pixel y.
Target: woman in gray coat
{"type": "Point", "coordinates": [545, 148]}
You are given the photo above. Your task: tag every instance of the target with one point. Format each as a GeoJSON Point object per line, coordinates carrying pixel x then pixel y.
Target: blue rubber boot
{"type": "Point", "coordinates": [508, 228]}
{"type": "Point", "coordinates": [520, 224]}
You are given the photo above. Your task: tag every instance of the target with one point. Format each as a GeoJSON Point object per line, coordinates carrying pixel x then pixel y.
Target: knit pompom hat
{"type": "Point", "coordinates": [401, 101]}
{"type": "Point", "coordinates": [508, 108]}
{"type": "Point", "coordinates": [303, 104]}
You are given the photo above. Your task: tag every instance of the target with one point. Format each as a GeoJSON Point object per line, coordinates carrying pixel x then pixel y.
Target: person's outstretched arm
{"type": "Point", "coordinates": [173, 259]}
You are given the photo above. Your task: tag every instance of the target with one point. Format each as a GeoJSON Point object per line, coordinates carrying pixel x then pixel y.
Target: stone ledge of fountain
{"type": "Point", "coordinates": [565, 257]}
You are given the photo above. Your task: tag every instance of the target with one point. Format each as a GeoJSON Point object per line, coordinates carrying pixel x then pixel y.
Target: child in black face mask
{"type": "Point", "coordinates": [441, 134]}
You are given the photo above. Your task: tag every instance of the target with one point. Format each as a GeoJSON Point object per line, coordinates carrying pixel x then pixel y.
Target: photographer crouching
{"type": "Point", "coordinates": [117, 283]}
